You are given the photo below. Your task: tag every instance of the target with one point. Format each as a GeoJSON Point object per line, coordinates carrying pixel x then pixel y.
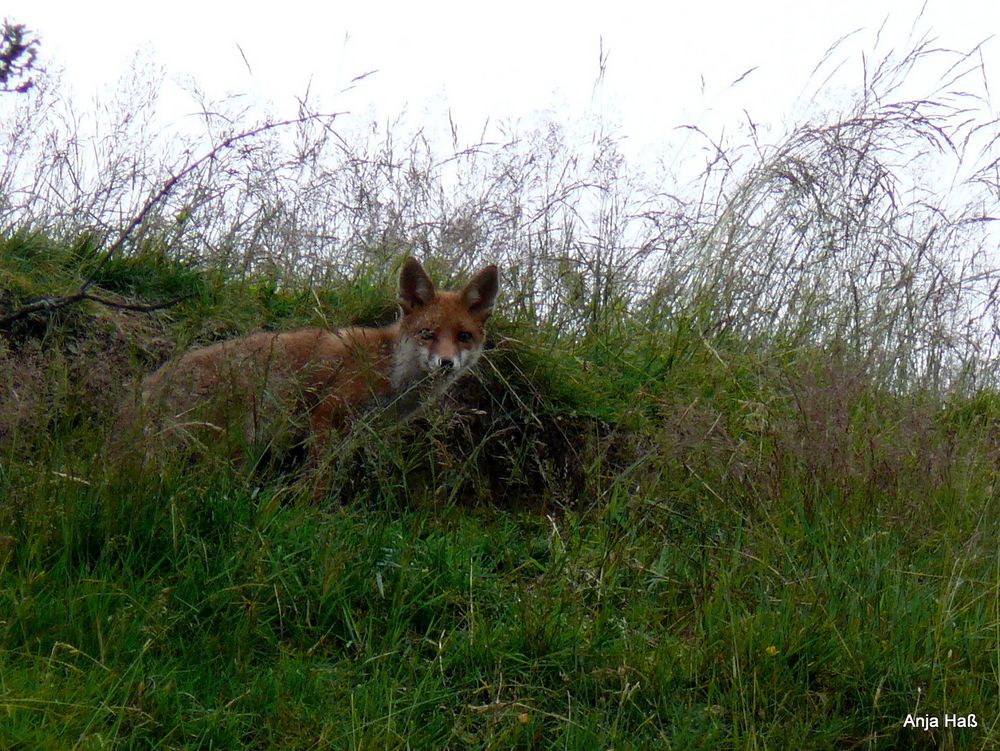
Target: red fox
{"type": "Point", "coordinates": [264, 388]}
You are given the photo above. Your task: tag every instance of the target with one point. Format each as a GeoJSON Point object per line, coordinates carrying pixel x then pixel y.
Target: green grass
{"type": "Point", "coordinates": [646, 541]}
{"type": "Point", "coordinates": [230, 621]}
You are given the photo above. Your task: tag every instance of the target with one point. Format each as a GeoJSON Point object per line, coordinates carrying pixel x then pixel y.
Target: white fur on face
{"type": "Point", "coordinates": [413, 362]}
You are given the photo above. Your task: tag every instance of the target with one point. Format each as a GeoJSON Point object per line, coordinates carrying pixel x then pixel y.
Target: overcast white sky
{"type": "Point", "coordinates": [667, 63]}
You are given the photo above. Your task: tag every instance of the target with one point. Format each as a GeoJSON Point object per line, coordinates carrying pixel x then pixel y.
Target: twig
{"type": "Point", "coordinates": [54, 303]}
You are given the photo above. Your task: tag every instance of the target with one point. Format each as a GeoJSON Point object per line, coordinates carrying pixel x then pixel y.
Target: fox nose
{"type": "Point", "coordinates": [447, 363]}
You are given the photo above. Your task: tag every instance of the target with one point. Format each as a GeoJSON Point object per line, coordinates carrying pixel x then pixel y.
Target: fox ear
{"type": "Point", "coordinates": [481, 292]}
{"type": "Point", "coordinates": [415, 288]}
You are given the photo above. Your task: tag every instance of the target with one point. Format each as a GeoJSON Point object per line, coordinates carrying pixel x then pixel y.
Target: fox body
{"type": "Point", "coordinates": [275, 388]}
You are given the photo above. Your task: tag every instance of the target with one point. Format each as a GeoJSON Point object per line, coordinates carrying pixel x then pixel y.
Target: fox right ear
{"type": "Point", "coordinates": [415, 288]}
{"type": "Point", "coordinates": [481, 292]}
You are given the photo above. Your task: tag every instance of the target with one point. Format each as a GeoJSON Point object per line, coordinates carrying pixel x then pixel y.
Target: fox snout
{"type": "Point", "coordinates": [442, 363]}
{"type": "Point", "coordinates": [448, 362]}
{"type": "Point", "coordinates": [444, 353]}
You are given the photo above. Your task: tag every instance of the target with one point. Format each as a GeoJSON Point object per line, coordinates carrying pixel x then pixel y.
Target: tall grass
{"type": "Point", "coordinates": [870, 225]}
{"type": "Point", "coordinates": [724, 479]}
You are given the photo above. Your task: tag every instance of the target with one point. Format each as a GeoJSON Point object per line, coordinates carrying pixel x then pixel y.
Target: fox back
{"type": "Point", "coordinates": [276, 389]}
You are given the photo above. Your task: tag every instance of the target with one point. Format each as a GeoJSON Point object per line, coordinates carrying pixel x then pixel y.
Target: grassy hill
{"type": "Point", "coordinates": [651, 539]}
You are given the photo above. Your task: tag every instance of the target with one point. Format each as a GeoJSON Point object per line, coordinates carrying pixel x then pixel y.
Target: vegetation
{"type": "Point", "coordinates": [725, 479]}
{"type": "Point", "coordinates": [18, 53]}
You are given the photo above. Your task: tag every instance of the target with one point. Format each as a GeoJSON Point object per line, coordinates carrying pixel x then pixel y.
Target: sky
{"type": "Point", "coordinates": [665, 64]}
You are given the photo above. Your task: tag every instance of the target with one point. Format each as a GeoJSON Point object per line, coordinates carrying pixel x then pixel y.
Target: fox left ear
{"type": "Point", "coordinates": [415, 288]}
{"type": "Point", "coordinates": [481, 292]}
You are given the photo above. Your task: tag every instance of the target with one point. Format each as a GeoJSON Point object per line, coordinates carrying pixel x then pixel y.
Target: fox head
{"type": "Point", "coordinates": [442, 332]}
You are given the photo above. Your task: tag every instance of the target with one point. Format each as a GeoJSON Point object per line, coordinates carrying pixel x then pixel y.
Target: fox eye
{"type": "Point", "coordinates": [426, 334]}
{"type": "Point", "coordinates": [464, 336]}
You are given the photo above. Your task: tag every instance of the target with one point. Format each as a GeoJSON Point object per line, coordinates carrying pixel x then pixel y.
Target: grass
{"type": "Point", "coordinates": [233, 622]}
{"type": "Point", "coordinates": [756, 553]}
